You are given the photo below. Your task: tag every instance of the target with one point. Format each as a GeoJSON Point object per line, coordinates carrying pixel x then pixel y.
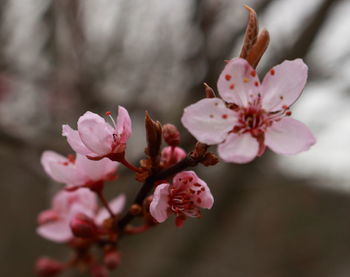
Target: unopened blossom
{"type": "Point", "coordinates": [96, 138]}
{"type": "Point", "coordinates": [48, 267]}
{"type": "Point", "coordinates": [183, 197]}
{"type": "Point", "coordinates": [55, 223]}
{"type": "Point", "coordinates": [77, 171]}
{"type": "Point", "coordinates": [171, 155]}
{"type": "Point", "coordinates": [252, 115]}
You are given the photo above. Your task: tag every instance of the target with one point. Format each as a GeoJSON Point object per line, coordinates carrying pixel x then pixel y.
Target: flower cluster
{"type": "Point", "coordinates": [250, 116]}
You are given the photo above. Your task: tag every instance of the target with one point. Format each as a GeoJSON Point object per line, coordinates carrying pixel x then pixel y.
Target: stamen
{"type": "Point", "coordinates": [109, 114]}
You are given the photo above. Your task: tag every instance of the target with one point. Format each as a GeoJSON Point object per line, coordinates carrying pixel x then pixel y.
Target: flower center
{"type": "Point", "coordinates": [182, 203]}
{"type": "Point", "coordinates": [255, 120]}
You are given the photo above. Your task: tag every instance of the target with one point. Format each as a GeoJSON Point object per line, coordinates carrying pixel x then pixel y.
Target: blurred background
{"type": "Point", "coordinates": [277, 216]}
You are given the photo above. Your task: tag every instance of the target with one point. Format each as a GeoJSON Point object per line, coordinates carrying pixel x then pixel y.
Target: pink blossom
{"type": "Point", "coordinates": [54, 224]}
{"type": "Point", "coordinates": [171, 155]}
{"type": "Point", "coordinates": [96, 138]}
{"type": "Point", "coordinates": [251, 115]}
{"type": "Point", "coordinates": [65, 205]}
{"type": "Point", "coordinates": [77, 171]}
{"type": "Point", "coordinates": [183, 198]}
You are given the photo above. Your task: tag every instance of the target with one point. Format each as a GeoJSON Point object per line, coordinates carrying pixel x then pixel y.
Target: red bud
{"type": "Point", "coordinates": [47, 267]}
{"type": "Point", "coordinates": [83, 226]}
{"type": "Point", "coordinates": [171, 135]}
{"type": "Point", "coordinates": [112, 259]}
{"type": "Point", "coordinates": [99, 271]}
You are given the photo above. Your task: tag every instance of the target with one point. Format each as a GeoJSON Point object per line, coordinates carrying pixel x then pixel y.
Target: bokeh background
{"type": "Point", "coordinates": [277, 216]}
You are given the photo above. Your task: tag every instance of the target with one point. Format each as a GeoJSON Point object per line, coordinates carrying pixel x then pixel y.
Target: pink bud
{"type": "Point", "coordinates": [171, 155]}
{"type": "Point", "coordinates": [47, 267]}
{"type": "Point", "coordinates": [99, 271]}
{"type": "Point", "coordinates": [83, 226]}
{"type": "Point", "coordinates": [171, 135]}
{"type": "Point", "coordinates": [112, 259]}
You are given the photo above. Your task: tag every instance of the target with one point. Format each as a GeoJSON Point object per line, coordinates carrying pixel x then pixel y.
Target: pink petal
{"type": "Point", "coordinates": [47, 158]}
{"type": "Point", "coordinates": [190, 180]}
{"type": "Point", "coordinates": [67, 174]}
{"type": "Point", "coordinates": [58, 231]}
{"type": "Point", "coordinates": [283, 84]}
{"type": "Point", "coordinates": [159, 205]}
{"type": "Point", "coordinates": [238, 82]}
{"type": "Point", "coordinates": [206, 198]}
{"type": "Point", "coordinates": [116, 205]}
{"type": "Point", "coordinates": [289, 136]}
{"type": "Point", "coordinates": [60, 169]}
{"type": "Point", "coordinates": [123, 125]}
{"type": "Point", "coordinates": [95, 170]}
{"type": "Point", "coordinates": [64, 200]}
{"type": "Point", "coordinates": [95, 133]}
{"type": "Point", "coordinates": [74, 141]}
{"type": "Point", "coordinates": [209, 120]}
{"type": "Point", "coordinates": [239, 148]}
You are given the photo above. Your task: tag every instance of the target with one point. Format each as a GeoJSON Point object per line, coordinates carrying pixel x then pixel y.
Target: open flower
{"type": "Point", "coordinates": [54, 224]}
{"type": "Point", "coordinates": [183, 198]}
{"type": "Point", "coordinates": [79, 171]}
{"type": "Point", "coordinates": [95, 138]}
{"type": "Point", "coordinates": [252, 115]}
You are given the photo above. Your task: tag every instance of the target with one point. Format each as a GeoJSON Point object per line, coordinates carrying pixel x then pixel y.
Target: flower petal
{"type": "Point", "coordinates": [289, 136]}
{"type": "Point", "coordinates": [47, 158]}
{"type": "Point", "coordinates": [64, 200]}
{"type": "Point", "coordinates": [283, 84]}
{"type": "Point", "coordinates": [67, 173]}
{"type": "Point", "coordinates": [116, 205]}
{"type": "Point", "coordinates": [58, 231]}
{"type": "Point", "coordinates": [189, 181]}
{"type": "Point", "coordinates": [237, 148]}
{"type": "Point", "coordinates": [209, 120]}
{"type": "Point", "coordinates": [238, 82]}
{"type": "Point", "coordinates": [95, 133]}
{"type": "Point", "coordinates": [159, 205]}
{"type": "Point", "coordinates": [95, 170]}
{"type": "Point", "coordinates": [123, 125]}
{"type": "Point", "coordinates": [74, 141]}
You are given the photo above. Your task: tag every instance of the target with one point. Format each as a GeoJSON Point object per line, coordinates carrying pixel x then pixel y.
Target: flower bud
{"type": "Point", "coordinates": [83, 226]}
{"type": "Point", "coordinates": [47, 267]}
{"type": "Point", "coordinates": [112, 259]}
{"type": "Point", "coordinates": [171, 135]}
{"type": "Point", "coordinates": [99, 271]}
{"type": "Point", "coordinates": [171, 155]}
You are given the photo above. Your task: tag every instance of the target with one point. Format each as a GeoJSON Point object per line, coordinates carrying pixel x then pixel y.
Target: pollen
{"type": "Point", "coordinates": [228, 77]}
{"type": "Point", "coordinates": [253, 73]}
{"type": "Point", "coordinates": [246, 80]}
{"type": "Point", "coordinates": [272, 72]}
{"type": "Point", "coordinates": [232, 86]}
{"type": "Point", "coordinates": [256, 83]}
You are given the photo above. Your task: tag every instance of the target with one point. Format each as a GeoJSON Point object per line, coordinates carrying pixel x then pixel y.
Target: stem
{"type": "Point", "coordinates": [124, 162]}
{"type": "Point", "coordinates": [105, 203]}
